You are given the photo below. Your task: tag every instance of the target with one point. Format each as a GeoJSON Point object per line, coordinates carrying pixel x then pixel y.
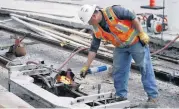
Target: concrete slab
{"type": "Point", "coordinates": [2, 89]}
{"type": "Point", "coordinates": [37, 92]}
{"type": "Point", "coordinates": [9, 100]}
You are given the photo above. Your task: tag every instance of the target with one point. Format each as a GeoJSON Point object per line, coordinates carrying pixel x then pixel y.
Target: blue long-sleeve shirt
{"type": "Point", "coordinates": [122, 14]}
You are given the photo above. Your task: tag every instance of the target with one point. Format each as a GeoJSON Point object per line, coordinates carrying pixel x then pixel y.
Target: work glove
{"type": "Point", "coordinates": [83, 72]}
{"type": "Point", "coordinates": [144, 38]}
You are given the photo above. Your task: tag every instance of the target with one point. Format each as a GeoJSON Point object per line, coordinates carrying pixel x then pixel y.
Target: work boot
{"type": "Point", "coordinates": [117, 99]}
{"type": "Point", "coordinates": [151, 103]}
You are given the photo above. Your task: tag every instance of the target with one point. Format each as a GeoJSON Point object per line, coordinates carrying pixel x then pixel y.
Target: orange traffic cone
{"type": "Point", "coordinates": [152, 3]}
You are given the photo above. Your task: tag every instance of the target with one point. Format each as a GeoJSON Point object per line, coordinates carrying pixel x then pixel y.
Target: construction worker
{"type": "Point", "coordinates": [120, 27]}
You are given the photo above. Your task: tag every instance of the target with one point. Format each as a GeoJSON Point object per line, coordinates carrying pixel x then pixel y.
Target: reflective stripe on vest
{"type": "Point", "coordinates": [112, 18]}
{"type": "Point", "coordinates": [121, 30]}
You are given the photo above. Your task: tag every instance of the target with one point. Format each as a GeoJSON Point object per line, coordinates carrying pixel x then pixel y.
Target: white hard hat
{"type": "Point", "coordinates": [85, 13]}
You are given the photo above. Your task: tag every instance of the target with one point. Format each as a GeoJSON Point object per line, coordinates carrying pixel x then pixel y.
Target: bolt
{"type": "Point", "coordinates": [99, 88]}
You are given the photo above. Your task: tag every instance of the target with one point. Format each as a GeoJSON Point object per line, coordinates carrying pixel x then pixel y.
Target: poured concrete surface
{"type": "Point", "coordinates": [10, 100]}
{"type": "Point", "coordinates": [2, 89]}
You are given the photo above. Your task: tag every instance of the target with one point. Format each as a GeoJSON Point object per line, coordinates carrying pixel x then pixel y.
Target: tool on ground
{"type": "Point", "coordinates": [156, 24]}
{"type": "Point", "coordinates": [99, 88]}
{"type": "Point", "coordinates": [17, 49]}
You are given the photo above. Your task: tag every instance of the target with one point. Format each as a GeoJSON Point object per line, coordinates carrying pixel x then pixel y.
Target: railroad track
{"type": "Point", "coordinates": [160, 73]}
{"type": "Point", "coordinates": [165, 67]}
{"type": "Point", "coordinates": [165, 63]}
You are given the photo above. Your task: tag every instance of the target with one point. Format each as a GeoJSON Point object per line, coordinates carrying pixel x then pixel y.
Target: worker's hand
{"type": "Point", "coordinates": [144, 38]}
{"type": "Point", "coordinates": [83, 72]}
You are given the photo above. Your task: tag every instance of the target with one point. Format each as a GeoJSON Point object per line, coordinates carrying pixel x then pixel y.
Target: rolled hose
{"type": "Point", "coordinates": [165, 47]}
{"type": "Point", "coordinates": [31, 62]}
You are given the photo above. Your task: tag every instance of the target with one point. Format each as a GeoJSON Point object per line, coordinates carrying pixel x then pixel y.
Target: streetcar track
{"type": "Point", "coordinates": [161, 56]}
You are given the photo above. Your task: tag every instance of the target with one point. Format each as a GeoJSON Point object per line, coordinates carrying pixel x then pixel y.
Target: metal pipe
{"type": "Point", "coordinates": [25, 12]}
{"type": "Point", "coordinates": [63, 38]}
{"type": "Point", "coordinates": [83, 30]}
{"type": "Point", "coordinates": [36, 37]}
{"type": "Point", "coordinates": [30, 26]}
{"type": "Point", "coordinates": [66, 36]}
{"type": "Point", "coordinates": [43, 32]}
{"type": "Point", "coordinates": [85, 35]}
{"type": "Point", "coordinates": [75, 40]}
{"type": "Point", "coordinates": [3, 21]}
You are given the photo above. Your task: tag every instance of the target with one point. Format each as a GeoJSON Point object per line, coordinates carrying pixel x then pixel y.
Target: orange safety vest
{"type": "Point", "coordinates": [121, 34]}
